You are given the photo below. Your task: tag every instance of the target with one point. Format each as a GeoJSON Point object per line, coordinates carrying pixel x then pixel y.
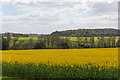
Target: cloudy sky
{"type": "Point", "coordinates": [48, 16]}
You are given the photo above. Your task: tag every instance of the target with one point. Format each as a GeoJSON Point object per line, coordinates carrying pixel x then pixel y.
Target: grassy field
{"type": "Point", "coordinates": [61, 63]}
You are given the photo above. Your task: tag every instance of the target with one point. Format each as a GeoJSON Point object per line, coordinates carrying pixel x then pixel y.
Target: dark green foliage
{"type": "Point", "coordinates": [29, 44]}
{"type": "Point", "coordinates": [40, 45]}
{"type": "Point", "coordinates": [88, 33]}
{"type": "Point", "coordinates": [92, 42]}
{"type": "Point", "coordinates": [0, 42]}
{"type": "Point", "coordinates": [46, 71]}
{"type": "Point", "coordinates": [8, 39]}
{"type": "Point", "coordinates": [4, 44]}
{"type": "Point", "coordinates": [64, 45]}
{"type": "Point", "coordinates": [118, 42]}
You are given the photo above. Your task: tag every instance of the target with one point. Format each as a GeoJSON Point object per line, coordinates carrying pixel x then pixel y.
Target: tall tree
{"type": "Point", "coordinates": [113, 42]}
{"type": "Point", "coordinates": [40, 44]}
{"type": "Point", "coordinates": [108, 42]}
{"type": "Point", "coordinates": [86, 42]}
{"type": "Point", "coordinates": [14, 41]}
{"type": "Point", "coordinates": [30, 44]}
{"type": "Point", "coordinates": [79, 41]}
{"type": "Point", "coordinates": [48, 41]}
{"type": "Point", "coordinates": [4, 43]}
{"type": "Point", "coordinates": [98, 42]}
{"type": "Point", "coordinates": [102, 42]}
{"type": "Point", "coordinates": [8, 35]}
{"type": "Point", "coordinates": [118, 42]}
{"type": "Point", "coordinates": [52, 40]}
{"type": "Point", "coordinates": [92, 42]}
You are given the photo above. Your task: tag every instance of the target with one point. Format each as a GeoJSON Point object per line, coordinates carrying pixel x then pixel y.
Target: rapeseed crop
{"type": "Point", "coordinates": [62, 63]}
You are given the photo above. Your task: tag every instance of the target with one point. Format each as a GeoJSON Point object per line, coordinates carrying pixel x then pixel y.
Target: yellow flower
{"type": "Point", "coordinates": [107, 57]}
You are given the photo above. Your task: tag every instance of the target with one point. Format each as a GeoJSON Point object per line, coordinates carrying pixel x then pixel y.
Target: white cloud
{"type": "Point", "coordinates": [46, 17]}
{"type": "Point", "coordinates": [27, 1]}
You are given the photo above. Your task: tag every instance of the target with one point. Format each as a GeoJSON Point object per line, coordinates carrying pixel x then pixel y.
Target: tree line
{"type": "Point", "coordinates": [56, 42]}
{"type": "Point", "coordinates": [88, 33]}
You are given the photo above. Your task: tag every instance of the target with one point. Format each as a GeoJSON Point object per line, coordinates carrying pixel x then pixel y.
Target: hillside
{"type": "Point", "coordinates": [88, 32]}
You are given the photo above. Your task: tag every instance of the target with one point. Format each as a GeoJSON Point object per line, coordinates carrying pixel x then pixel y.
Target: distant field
{"type": "Point", "coordinates": [75, 38]}
{"type": "Point", "coordinates": [61, 63]}
{"type": "Point", "coordinates": [71, 38]}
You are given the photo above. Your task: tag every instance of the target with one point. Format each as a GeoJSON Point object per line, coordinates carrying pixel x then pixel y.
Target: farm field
{"type": "Point", "coordinates": [61, 63]}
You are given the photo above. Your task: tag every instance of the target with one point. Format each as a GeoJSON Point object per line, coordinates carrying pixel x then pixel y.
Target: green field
{"type": "Point", "coordinates": [71, 38]}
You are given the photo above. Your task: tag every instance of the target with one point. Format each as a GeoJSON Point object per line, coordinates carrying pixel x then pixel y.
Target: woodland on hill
{"type": "Point", "coordinates": [88, 33]}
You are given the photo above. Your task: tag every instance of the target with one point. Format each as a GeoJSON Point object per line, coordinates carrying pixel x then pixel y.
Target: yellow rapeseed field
{"type": "Point", "coordinates": [97, 57]}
